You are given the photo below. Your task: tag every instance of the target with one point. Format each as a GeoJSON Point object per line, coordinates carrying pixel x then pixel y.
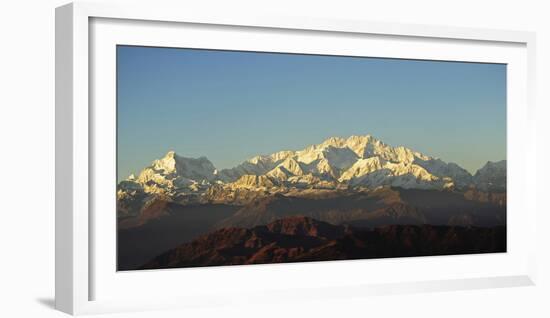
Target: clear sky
{"type": "Point", "coordinates": [230, 106]}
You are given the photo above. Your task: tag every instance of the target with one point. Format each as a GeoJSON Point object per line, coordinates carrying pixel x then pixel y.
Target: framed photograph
{"type": "Point", "coordinates": [208, 159]}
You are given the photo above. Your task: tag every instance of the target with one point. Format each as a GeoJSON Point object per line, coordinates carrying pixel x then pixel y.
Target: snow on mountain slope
{"type": "Point", "coordinates": [356, 161]}
{"type": "Point", "coordinates": [253, 182]}
{"type": "Point", "coordinates": [339, 158]}
{"type": "Point", "coordinates": [491, 177]}
{"type": "Point", "coordinates": [368, 146]}
{"type": "Point", "coordinates": [363, 167]}
{"type": "Point", "coordinates": [292, 166]}
{"type": "Point", "coordinates": [200, 168]}
{"type": "Point", "coordinates": [172, 174]}
{"type": "Point", "coordinates": [254, 166]}
{"type": "Point", "coordinates": [437, 167]}
{"type": "Point", "coordinates": [279, 174]}
{"type": "Point", "coordinates": [404, 175]}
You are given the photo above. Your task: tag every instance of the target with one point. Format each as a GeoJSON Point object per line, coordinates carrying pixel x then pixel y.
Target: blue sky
{"type": "Point", "coordinates": [230, 106]}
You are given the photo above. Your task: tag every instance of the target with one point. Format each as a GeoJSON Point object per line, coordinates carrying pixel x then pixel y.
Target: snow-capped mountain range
{"type": "Point", "coordinates": [336, 163]}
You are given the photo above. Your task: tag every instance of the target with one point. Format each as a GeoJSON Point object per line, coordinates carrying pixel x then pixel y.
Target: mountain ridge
{"type": "Point", "coordinates": [356, 162]}
{"type": "Point", "coordinates": [299, 239]}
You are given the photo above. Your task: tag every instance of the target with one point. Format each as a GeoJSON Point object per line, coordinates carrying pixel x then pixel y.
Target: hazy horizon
{"type": "Point", "coordinates": [235, 105]}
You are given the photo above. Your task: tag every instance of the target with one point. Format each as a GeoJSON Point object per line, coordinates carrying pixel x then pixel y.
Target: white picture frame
{"type": "Point", "coordinates": [78, 157]}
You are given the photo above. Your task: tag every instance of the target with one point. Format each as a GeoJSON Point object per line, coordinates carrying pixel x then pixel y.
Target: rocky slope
{"type": "Point", "coordinates": [163, 224]}
{"type": "Point", "coordinates": [298, 239]}
{"type": "Point", "coordinates": [382, 206]}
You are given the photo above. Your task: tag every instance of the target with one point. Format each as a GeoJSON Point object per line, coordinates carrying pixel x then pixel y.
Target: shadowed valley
{"type": "Point", "coordinates": [342, 199]}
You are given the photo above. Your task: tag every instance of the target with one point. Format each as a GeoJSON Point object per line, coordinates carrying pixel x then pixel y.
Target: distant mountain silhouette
{"type": "Point", "coordinates": [299, 239]}
{"type": "Point", "coordinates": [163, 225]}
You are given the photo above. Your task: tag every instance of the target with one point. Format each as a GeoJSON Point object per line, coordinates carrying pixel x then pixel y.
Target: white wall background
{"type": "Point", "coordinates": [27, 157]}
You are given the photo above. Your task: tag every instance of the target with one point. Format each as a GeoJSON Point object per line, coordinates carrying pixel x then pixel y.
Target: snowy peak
{"type": "Point", "coordinates": [171, 175]}
{"type": "Point", "coordinates": [461, 177]}
{"type": "Point", "coordinates": [493, 166]}
{"type": "Point", "coordinates": [192, 168]}
{"type": "Point", "coordinates": [336, 142]}
{"type": "Point", "coordinates": [491, 177]}
{"type": "Point", "coordinates": [292, 166]}
{"type": "Point", "coordinates": [362, 145]}
{"type": "Point", "coordinates": [356, 161]}
{"type": "Point", "coordinates": [167, 163]}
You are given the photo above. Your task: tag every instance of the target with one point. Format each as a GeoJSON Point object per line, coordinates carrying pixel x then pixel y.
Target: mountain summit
{"type": "Point", "coordinates": [335, 163]}
{"type": "Point", "coordinates": [492, 176]}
